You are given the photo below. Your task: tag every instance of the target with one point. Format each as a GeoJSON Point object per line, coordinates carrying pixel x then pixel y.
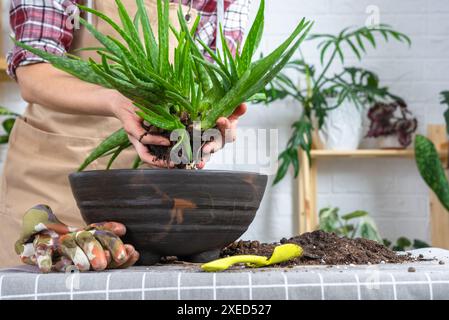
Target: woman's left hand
{"type": "Point", "coordinates": [228, 130]}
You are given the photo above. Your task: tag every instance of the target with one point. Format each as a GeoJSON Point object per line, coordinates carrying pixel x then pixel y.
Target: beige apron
{"type": "Point", "coordinates": [46, 146]}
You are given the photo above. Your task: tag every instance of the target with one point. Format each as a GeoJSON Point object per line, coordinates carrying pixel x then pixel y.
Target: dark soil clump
{"type": "Point", "coordinates": [322, 248]}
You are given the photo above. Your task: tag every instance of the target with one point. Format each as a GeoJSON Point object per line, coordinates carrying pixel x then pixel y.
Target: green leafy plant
{"type": "Point", "coordinates": [359, 224]}
{"type": "Point", "coordinates": [7, 123]}
{"type": "Point", "coordinates": [429, 163]}
{"type": "Point", "coordinates": [404, 244]}
{"type": "Point", "coordinates": [351, 225]}
{"type": "Point", "coordinates": [174, 96]}
{"type": "Point", "coordinates": [321, 92]}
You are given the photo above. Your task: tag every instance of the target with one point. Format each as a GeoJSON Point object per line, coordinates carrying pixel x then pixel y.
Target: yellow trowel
{"type": "Point", "coordinates": [280, 254]}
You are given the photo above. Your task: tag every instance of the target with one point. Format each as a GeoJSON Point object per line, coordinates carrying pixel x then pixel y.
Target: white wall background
{"type": "Point", "coordinates": [391, 190]}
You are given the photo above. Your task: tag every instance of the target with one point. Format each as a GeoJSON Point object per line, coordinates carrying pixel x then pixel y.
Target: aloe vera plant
{"type": "Point", "coordinates": [173, 95]}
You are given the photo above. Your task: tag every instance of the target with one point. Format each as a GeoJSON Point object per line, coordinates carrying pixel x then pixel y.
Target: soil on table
{"type": "Point", "coordinates": [322, 248]}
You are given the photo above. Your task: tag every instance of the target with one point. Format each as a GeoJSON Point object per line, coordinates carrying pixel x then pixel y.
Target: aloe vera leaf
{"type": "Point", "coordinates": [246, 87]}
{"type": "Point", "coordinates": [137, 162]}
{"type": "Point", "coordinates": [115, 140]}
{"type": "Point", "coordinates": [158, 121]}
{"type": "Point", "coordinates": [117, 153]}
{"type": "Point", "coordinates": [77, 68]}
{"type": "Point", "coordinates": [215, 57]}
{"type": "Point", "coordinates": [163, 34]}
{"type": "Point", "coordinates": [128, 24]}
{"type": "Point", "coordinates": [135, 47]}
{"type": "Point", "coordinates": [159, 110]}
{"type": "Point", "coordinates": [202, 74]}
{"type": "Point", "coordinates": [253, 39]}
{"type": "Point", "coordinates": [228, 56]}
{"type": "Point", "coordinates": [148, 35]}
{"type": "Point", "coordinates": [431, 169]}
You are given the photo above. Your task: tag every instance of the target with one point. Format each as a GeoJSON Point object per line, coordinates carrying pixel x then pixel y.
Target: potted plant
{"type": "Point", "coordinates": [429, 163]}
{"type": "Point", "coordinates": [172, 212]}
{"type": "Point", "coordinates": [321, 94]}
{"type": "Point", "coordinates": [392, 123]}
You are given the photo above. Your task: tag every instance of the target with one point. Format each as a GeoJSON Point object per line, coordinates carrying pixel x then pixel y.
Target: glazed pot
{"type": "Point", "coordinates": [186, 213]}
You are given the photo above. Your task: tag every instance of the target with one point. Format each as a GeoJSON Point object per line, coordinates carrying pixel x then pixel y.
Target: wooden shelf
{"type": "Point", "coordinates": [307, 183]}
{"type": "Point", "coordinates": [363, 153]}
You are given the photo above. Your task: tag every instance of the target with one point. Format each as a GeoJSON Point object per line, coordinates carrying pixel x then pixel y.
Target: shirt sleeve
{"type": "Point", "coordinates": [46, 25]}
{"type": "Point", "coordinates": [234, 24]}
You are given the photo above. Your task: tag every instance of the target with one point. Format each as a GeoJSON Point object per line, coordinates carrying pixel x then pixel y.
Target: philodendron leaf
{"type": "Point", "coordinates": [431, 169]}
{"type": "Point", "coordinates": [419, 244]}
{"type": "Point", "coordinates": [403, 242]}
{"type": "Point", "coordinates": [368, 230]}
{"type": "Point", "coordinates": [328, 219]}
{"type": "Point", "coordinates": [354, 215]}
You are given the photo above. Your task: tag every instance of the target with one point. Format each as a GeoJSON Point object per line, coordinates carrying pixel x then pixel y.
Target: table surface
{"type": "Point", "coordinates": [420, 280]}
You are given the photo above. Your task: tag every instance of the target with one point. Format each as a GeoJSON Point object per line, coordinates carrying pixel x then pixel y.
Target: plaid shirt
{"type": "Point", "coordinates": [45, 24]}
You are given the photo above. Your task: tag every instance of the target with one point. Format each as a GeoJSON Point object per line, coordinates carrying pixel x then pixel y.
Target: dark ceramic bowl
{"type": "Point", "coordinates": [184, 213]}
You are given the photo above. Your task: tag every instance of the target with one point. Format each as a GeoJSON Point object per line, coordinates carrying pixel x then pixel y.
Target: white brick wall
{"type": "Point", "coordinates": [391, 190]}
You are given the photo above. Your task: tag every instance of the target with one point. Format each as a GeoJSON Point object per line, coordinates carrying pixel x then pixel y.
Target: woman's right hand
{"type": "Point", "coordinates": [123, 109]}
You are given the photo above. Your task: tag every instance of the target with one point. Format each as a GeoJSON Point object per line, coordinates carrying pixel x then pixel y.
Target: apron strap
{"type": "Point", "coordinates": [220, 22]}
{"type": "Point", "coordinates": [89, 4]}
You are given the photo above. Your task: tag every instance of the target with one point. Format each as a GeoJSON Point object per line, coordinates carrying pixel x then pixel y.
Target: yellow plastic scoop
{"type": "Point", "coordinates": [280, 254]}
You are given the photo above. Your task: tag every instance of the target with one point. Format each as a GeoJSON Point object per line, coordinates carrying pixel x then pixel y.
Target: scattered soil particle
{"type": "Point", "coordinates": [441, 262]}
{"type": "Point", "coordinates": [411, 269]}
{"type": "Point", "coordinates": [322, 248]}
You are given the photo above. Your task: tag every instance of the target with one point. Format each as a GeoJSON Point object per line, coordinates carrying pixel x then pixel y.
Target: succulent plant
{"type": "Point", "coordinates": [173, 95]}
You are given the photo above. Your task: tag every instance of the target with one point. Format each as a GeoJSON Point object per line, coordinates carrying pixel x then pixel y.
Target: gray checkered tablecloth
{"type": "Point", "coordinates": [423, 280]}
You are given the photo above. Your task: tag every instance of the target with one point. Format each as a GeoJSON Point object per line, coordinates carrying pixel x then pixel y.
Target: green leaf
{"type": "Point", "coordinates": [329, 219]}
{"type": "Point", "coordinates": [354, 215]}
{"type": "Point", "coordinates": [114, 141]}
{"type": "Point", "coordinates": [253, 39]}
{"type": "Point", "coordinates": [77, 68]}
{"type": "Point", "coordinates": [419, 244]}
{"type": "Point", "coordinates": [8, 124]}
{"type": "Point", "coordinates": [431, 169]}
{"type": "Point", "coordinates": [148, 35]}
{"type": "Point", "coordinates": [6, 112]}
{"type": "Point", "coordinates": [164, 27]}
{"type": "Point", "coordinates": [403, 242]}
{"type": "Point", "coordinates": [368, 230]}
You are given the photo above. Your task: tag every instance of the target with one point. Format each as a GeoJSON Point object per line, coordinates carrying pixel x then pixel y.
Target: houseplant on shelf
{"type": "Point", "coordinates": [429, 163]}
{"type": "Point", "coordinates": [320, 93]}
{"type": "Point", "coordinates": [392, 122]}
{"type": "Point", "coordinates": [187, 213]}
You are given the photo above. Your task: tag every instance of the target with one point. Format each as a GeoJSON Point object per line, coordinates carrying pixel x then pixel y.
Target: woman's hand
{"type": "Point", "coordinates": [123, 109]}
{"type": "Point", "coordinates": [228, 130]}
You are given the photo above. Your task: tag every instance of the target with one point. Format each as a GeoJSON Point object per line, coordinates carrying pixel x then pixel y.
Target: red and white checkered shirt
{"type": "Point", "coordinates": [45, 24]}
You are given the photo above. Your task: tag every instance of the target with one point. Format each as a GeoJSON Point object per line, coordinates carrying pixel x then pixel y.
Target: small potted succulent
{"type": "Point", "coordinates": [392, 123]}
